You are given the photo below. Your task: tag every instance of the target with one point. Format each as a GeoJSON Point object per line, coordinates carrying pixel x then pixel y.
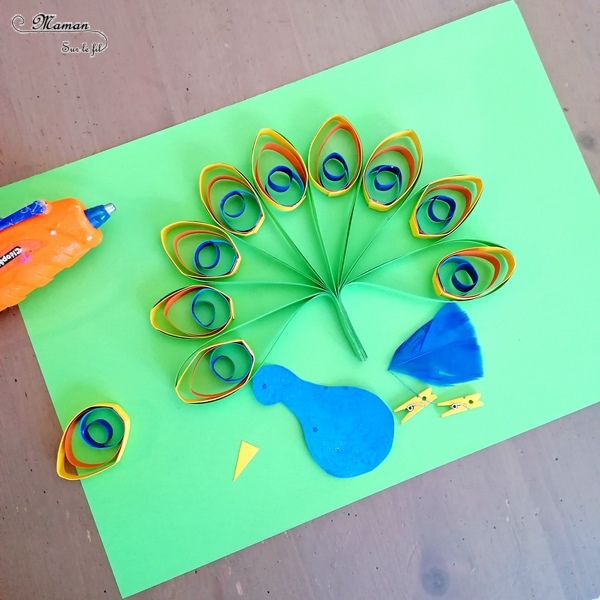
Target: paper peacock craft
{"type": "Point", "coordinates": [301, 230]}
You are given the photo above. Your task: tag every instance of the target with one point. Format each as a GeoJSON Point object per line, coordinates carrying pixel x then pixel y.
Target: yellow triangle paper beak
{"type": "Point", "coordinates": [245, 455]}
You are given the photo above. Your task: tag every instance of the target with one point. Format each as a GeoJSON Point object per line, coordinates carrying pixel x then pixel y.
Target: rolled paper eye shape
{"type": "Point", "coordinates": [473, 272]}
{"type": "Point", "coordinates": [443, 205]}
{"type": "Point", "coordinates": [230, 199]}
{"type": "Point", "coordinates": [278, 170]}
{"type": "Point", "coordinates": [392, 170]}
{"type": "Point", "coordinates": [93, 441]}
{"type": "Point", "coordinates": [200, 250]}
{"type": "Point", "coordinates": [215, 372]}
{"type": "Point", "coordinates": [197, 311]}
{"type": "Point", "coordinates": [335, 157]}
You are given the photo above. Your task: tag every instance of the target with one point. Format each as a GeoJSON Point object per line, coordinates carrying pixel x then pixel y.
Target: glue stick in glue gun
{"type": "Point", "coordinates": [42, 239]}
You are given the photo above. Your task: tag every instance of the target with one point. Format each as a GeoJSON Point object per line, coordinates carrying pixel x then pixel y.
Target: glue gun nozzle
{"type": "Point", "coordinates": [99, 214]}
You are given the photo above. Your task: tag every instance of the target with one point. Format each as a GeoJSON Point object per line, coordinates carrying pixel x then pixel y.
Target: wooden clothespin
{"type": "Point", "coordinates": [458, 405]}
{"type": "Point", "coordinates": [416, 404]}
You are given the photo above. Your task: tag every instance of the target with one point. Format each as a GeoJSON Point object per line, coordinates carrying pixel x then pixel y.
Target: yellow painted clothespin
{"type": "Point", "coordinates": [458, 405]}
{"type": "Point", "coordinates": [416, 404]}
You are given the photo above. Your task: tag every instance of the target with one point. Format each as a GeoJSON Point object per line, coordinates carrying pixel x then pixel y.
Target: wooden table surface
{"type": "Point", "coordinates": [517, 521]}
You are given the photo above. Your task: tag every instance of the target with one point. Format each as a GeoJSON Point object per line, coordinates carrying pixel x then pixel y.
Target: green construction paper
{"type": "Point", "coordinates": [170, 505]}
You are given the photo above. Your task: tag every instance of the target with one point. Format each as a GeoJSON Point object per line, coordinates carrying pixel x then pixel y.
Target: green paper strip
{"type": "Point", "coordinates": [329, 279]}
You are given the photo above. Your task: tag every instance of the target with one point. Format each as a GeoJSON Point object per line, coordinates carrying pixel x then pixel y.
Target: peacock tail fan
{"type": "Point", "coordinates": [442, 352]}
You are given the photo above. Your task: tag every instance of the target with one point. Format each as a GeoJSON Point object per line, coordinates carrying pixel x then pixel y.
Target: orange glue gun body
{"type": "Point", "coordinates": [41, 240]}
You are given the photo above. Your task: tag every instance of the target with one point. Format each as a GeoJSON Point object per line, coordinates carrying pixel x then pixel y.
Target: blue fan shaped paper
{"type": "Point", "coordinates": [442, 352]}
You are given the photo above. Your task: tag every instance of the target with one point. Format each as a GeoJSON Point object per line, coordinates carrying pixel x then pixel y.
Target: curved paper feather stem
{"type": "Point", "coordinates": [437, 247]}
{"type": "Point", "coordinates": [312, 273]}
{"type": "Point", "coordinates": [378, 285]}
{"type": "Point", "coordinates": [298, 302]}
{"type": "Point", "coordinates": [385, 221]}
{"type": "Point", "coordinates": [340, 281]}
{"type": "Point", "coordinates": [93, 441]}
{"type": "Point", "coordinates": [268, 346]}
{"type": "Point", "coordinates": [348, 328]}
{"type": "Point", "coordinates": [251, 304]}
{"type": "Point", "coordinates": [237, 357]}
{"type": "Point", "coordinates": [297, 308]}
{"type": "Point", "coordinates": [464, 270]}
{"type": "Point", "coordinates": [317, 281]}
{"type": "Point", "coordinates": [316, 278]}
{"type": "Point", "coordinates": [330, 284]}
{"type": "Point", "coordinates": [226, 283]}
